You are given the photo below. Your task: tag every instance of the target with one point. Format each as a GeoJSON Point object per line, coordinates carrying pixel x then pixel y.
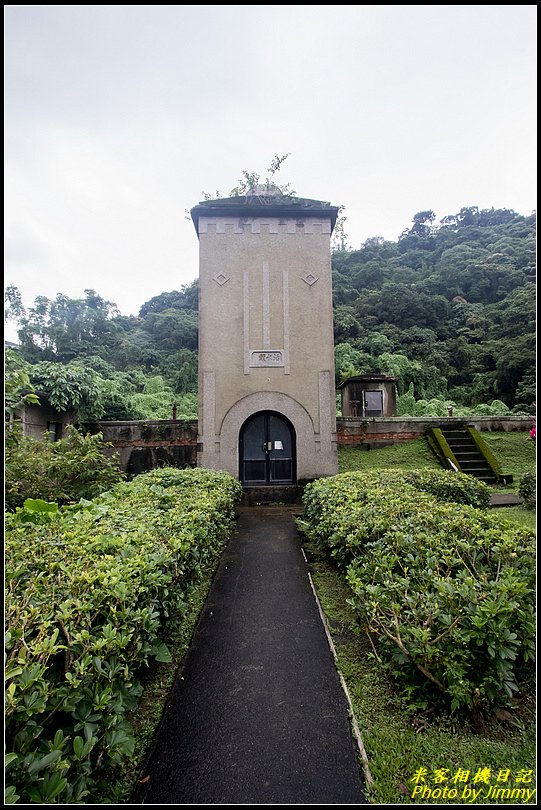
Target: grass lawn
{"type": "Point", "coordinates": [408, 455]}
{"type": "Point", "coordinates": [515, 451]}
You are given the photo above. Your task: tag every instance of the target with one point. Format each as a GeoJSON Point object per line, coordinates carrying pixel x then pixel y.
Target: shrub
{"type": "Point", "coordinates": [446, 590]}
{"type": "Point", "coordinates": [64, 471]}
{"type": "Point", "coordinates": [342, 511]}
{"type": "Point", "coordinates": [450, 600]}
{"type": "Point", "coordinates": [527, 489]}
{"type": "Point", "coordinates": [89, 588]}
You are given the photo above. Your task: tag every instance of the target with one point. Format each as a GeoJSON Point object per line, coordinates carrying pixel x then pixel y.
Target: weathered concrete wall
{"type": "Point", "coordinates": [145, 445]}
{"type": "Point", "coordinates": [352, 394]}
{"type": "Point", "coordinates": [38, 420]}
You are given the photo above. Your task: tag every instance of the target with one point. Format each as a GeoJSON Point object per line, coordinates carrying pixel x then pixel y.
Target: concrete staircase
{"type": "Point", "coordinates": [471, 460]}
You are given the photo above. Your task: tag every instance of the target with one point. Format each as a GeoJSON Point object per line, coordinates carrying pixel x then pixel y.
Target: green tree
{"type": "Point", "coordinates": [70, 387]}
{"type": "Point", "coordinates": [346, 325]}
{"type": "Point", "coordinates": [65, 328]}
{"type": "Point", "coordinates": [15, 310]}
{"type": "Point", "coordinates": [422, 224]}
{"type": "Point", "coordinates": [155, 401]}
{"type": "Point", "coordinates": [173, 329]}
{"type": "Point", "coordinates": [185, 298]}
{"type": "Point", "coordinates": [350, 362]}
{"type": "Point", "coordinates": [181, 371]}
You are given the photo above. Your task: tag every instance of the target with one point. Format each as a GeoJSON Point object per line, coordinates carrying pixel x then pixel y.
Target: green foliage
{"type": "Point", "coordinates": [154, 402]}
{"type": "Point", "coordinates": [515, 449]}
{"type": "Point", "coordinates": [181, 368]}
{"type": "Point", "coordinates": [397, 743]}
{"type": "Point", "coordinates": [173, 329]}
{"type": "Point", "coordinates": [251, 180]}
{"type": "Point", "coordinates": [71, 387]}
{"type": "Point", "coordinates": [446, 590]}
{"type": "Point", "coordinates": [343, 510]}
{"type": "Point", "coordinates": [64, 328]}
{"type": "Point", "coordinates": [350, 362]}
{"type": "Point", "coordinates": [185, 298]}
{"type": "Point", "coordinates": [455, 298]}
{"type": "Point", "coordinates": [90, 589]}
{"type": "Point", "coordinates": [528, 488]}
{"type": "Point", "coordinates": [18, 390]}
{"type": "Point", "coordinates": [63, 471]}
{"type": "Point", "coordinates": [187, 406]}
{"type": "Point", "coordinates": [407, 405]}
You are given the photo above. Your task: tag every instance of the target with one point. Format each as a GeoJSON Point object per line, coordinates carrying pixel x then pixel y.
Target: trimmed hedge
{"type": "Point", "coordinates": [343, 511]}
{"type": "Point", "coordinates": [446, 590]}
{"type": "Point", "coordinates": [88, 590]}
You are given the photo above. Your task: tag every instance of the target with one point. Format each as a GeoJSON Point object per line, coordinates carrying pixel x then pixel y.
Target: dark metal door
{"type": "Point", "coordinates": [373, 403]}
{"type": "Point", "coordinates": [267, 450]}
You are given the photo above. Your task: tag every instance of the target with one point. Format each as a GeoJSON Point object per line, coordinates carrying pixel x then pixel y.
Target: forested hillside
{"type": "Point", "coordinates": [449, 309]}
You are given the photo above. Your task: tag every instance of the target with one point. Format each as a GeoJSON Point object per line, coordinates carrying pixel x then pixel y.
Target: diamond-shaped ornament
{"type": "Point", "coordinates": [310, 279]}
{"type": "Point", "coordinates": [221, 278]}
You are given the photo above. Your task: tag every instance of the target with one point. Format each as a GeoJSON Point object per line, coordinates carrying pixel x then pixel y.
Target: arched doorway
{"type": "Point", "coordinates": [267, 450]}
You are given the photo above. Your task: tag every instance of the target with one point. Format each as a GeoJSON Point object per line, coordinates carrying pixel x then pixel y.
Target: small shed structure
{"type": "Point", "coordinates": [368, 395]}
{"type": "Point", "coordinates": [38, 420]}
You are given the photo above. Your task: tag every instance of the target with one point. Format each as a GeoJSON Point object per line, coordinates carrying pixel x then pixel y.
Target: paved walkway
{"type": "Point", "coordinates": [258, 716]}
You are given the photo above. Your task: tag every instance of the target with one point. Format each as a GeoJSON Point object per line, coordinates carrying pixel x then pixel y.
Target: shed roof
{"type": "Point", "coordinates": [367, 378]}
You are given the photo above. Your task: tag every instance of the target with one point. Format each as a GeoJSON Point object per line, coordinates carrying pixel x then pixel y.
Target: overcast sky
{"type": "Point", "coordinates": [118, 118]}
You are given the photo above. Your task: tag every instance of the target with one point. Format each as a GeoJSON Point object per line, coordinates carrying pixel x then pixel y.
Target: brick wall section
{"type": "Point", "coordinates": [353, 439]}
{"type": "Point", "coordinates": [378, 432]}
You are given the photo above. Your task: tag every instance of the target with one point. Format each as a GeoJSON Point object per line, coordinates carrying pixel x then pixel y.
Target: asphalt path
{"type": "Point", "coordinates": [257, 714]}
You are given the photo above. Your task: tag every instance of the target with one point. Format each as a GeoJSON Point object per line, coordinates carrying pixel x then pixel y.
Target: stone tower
{"type": "Point", "coordinates": [267, 402]}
